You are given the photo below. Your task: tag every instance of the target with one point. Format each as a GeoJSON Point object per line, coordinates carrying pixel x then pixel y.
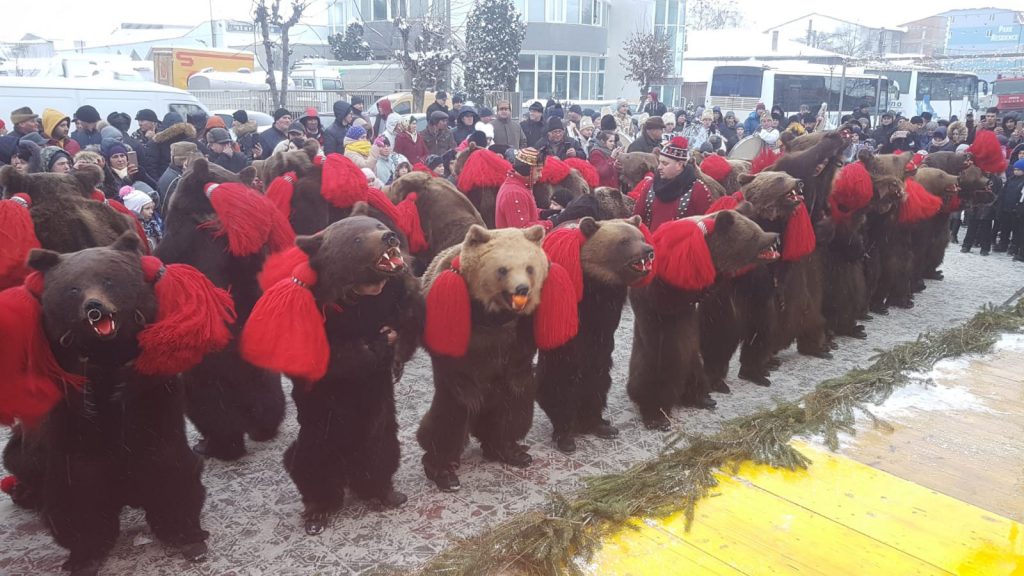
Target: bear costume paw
{"type": "Point", "coordinates": [444, 477]}
{"type": "Point", "coordinates": [316, 522]}
{"type": "Point", "coordinates": [195, 552]}
{"type": "Point", "coordinates": [392, 499]}
{"type": "Point", "coordinates": [565, 443]}
{"type": "Point", "coordinates": [757, 378]}
{"type": "Point", "coordinates": [513, 455]}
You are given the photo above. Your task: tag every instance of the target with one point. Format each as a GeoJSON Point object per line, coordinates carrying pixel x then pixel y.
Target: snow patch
{"type": "Point", "coordinates": [1010, 343]}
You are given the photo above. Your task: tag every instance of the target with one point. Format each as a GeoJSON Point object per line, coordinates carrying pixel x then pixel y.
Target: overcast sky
{"type": "Point", "coordinates": [102, 16]}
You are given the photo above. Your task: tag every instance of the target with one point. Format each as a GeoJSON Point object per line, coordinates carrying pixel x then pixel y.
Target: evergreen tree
{"type": "Point", "coordinates": [494, 35]}
{"type": "Point", "coordinates": [350, 45]}
{"type": "Point", "coordinates": [426, 54]}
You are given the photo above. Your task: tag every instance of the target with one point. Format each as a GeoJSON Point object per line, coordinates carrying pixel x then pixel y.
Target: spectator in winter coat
{"type": "Point", "coordinates": [440, 103]}
{"type": "Point", "coordinates": [359, 109]}
{"type": "Point", "coordinates": [940, 143]}
{"type": "Point", "coordinates": [508, 132]}
{"type": "Point", "coordinates": [118, 173]}
{"type": "Point", "coordinates": [223, 151]}
{"type": "Point", "coordinates": [311, 122]}
{"type": "Point", "coordinates": [465, 124]}
{"type": "Point", "coordinates": [55, 160]}
{"type": "Point", "coordinates": [296, 139]}
{"type": "Point", "coordinates": [884, 131]}
{"type": "Point", "coordinates": [334, 136]}
{"type": "Point", "coordinates": [1007, 210]}
{"type": "Point", "coordinates": [438, 137]}
{"type": "Point", "coordinates": [158, 152]}
{"type": "Point", "coordinates": [245, 135]}
{"type": "Point", "coordinates": [386, 160]}
{"type": "Point", "coordinates": [453, 115]}
{"type": "Point", "coordinates": [624, 120]}
{"type": "Point", "coordinates": [604, 157]}
{"type": "Point", "coordinates": [357, 148]}
{"type": "Point", "coordinates": [768, 132]}
{"type": "Point", "coordinates": [653, 107]}
{"type": "Point", "coordinates": [728, 130]}
{"type": "Point", "coordinates": [753, 122]}
{"type": "Point", "coordinates": [87, 118]}
{"type": "Point", "coordinates": [55, 129]}
{"type": "Point", "coordinates": [409, 143]}
{"type": "Point", "coordinates": [148, 122]}
{"type": "Point", "coordinates": [26, 159]}
{"type": "Point", "coordinates": [863, 112]}
{"type": "Point", "coordinates": [533, 127]}
{"type": "Point", "coordinates": [180, 153]}
{"type": "Point", "coordinates": [272, 136]}
{"type": "Point", "coordinates": [650, 138]}
{"type": "Point", "coordinates": [144, 209]}
{"type": "Point", "coordinates": [586, 133]}
{"type": "Point", "coordinates": [556, 143]}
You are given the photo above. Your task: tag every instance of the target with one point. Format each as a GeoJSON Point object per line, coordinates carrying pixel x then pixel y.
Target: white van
{"type": "Point", "coordinates": [68, 94]}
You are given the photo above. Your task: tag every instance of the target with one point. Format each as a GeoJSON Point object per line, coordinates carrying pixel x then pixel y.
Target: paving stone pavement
{"type": "Point", "coordinates": [253, 510]}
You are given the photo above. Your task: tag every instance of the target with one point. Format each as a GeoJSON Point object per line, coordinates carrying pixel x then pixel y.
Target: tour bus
{"type": "Point", "coordinates": [941, 92]}
{"type": "Point", "coordinates": [739, 87]}
{"type": "Point", "coordinates": [68, 94]}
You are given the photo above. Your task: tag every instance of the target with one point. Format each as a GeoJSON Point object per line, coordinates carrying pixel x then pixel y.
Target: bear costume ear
{"type": "Point", "coordinates": [635, 221]}
{"type": "Point", "coordinates": [200, 167]}
{"type": "Point", "coordinates": [247, 175]}
{"type": "Point", "coordinates": [477, 235]}
{"type": "Point", "coordinates": [588, 226]}
{"type": "Point", "coordinates": [12, 180]}
{"type": "Point", "coordinates": [310, 244]}
{"type": "Point", "coordinates": [89, 177]}
{"type": "Point", "coordinates": [42, 260]}
{"type": "Point", "coordinates": [360, 209]}
{"type": "Point", "coordinates": [128, 242]}
{"type": "Point", "coordinates": [725, 220]}
{"type": "Point", "coordinates": [746, 178]}
{"type": "Point", "coordinates": [534, 234]}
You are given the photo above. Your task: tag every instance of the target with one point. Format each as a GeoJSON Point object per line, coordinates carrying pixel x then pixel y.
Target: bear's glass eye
{"type": "Point", "coordinates": [502, 271]}
{"type": "Point", "coordinates": [359, 240]}
{"type": "Point", "coordinates": [529, 270]}
{"type": "Point", "coordinates": [74, 291]}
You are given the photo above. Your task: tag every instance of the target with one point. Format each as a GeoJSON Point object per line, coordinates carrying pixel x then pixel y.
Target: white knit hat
{"type": "Point", "coordinates": [134, 200]}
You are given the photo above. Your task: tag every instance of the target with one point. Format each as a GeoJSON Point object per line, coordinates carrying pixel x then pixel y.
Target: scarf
{"type": "Point", "coordinates": [673, 189]}
{"type": "Point", "coordinates": [361, 147]}
{"type": "Point", "coordinates": [122, 174]}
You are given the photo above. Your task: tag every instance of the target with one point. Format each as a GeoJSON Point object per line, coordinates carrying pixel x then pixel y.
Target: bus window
{"type": "Point", "coordinates": [946, 86]}
{"type": "Point", "coordinates": [791, 91]}
{"type": "Point", "coordinates": [736, 81]}
{"type": "Point", "coordinates": [331, 84]}
{"type": "Point", "coordinates": [901, 77]}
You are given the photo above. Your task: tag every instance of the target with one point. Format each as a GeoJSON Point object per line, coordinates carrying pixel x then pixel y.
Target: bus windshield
{"type": "Point", "coordinates": [736, 81]}
{"type": "Point", "coordinates": [939, 86]}
{"type": "Point", "coordinates": [1015, 86]}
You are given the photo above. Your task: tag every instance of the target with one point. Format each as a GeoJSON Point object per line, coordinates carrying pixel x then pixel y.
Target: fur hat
{"type": "Point", "coordinates": [87, 114]}
{"type": "Point", "coordinates": [146, 115]}
{"type": "Point", "coordinates": [182, 150]}
{"type": "Point", "coordinates": [677, 148]}
{"type": "Point", "coordinates": [218, 136]}
{"type": "Point", "coordinates": [586, 122]}
{"type": "Point", "coordinates": [49, 155]}
{"type": "Point", "coordinates": [654, 123]}
{"type": "Point", "coordinates": [555, 123]}
{"type": "Point", "coordinates": [608, 123]}
{"type": "Point", "coordinates": [668, 118]}
{"type": "Point", "coordinates": [240, 116]}
{"type": "Point", "coordinates": [280, 113]}
{"type": "Point", "coordinates": [23, 114]}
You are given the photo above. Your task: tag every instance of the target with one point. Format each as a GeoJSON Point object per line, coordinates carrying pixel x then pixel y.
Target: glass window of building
{"type": "Point", "coordinates": [572, 11]}
{"type": "Point", "coordinates": [535, 11]}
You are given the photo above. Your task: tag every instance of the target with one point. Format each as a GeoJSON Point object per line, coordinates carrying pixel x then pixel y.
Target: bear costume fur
{"type": "Point", "coordinates": [227, 397]}
{"type": "Point", "coordinates": [573, 380]}
{"type": "Point", "coordinates": [484, 383]}
{"type": "Point", "coordinates": [117, 437]}
{"type": "Point", "coordinates": [930, 237]}
{"type": "Point", "coordinates": [445, 213]}
{"type": "Point", "coordinates": [478, 174]}
{"type": "Point", "coordinates": [348, 433]}
{"type": "Point", "coordinates": [666, 368]}
{"type": "Point", "coordinates": [889, 264]}
{"type": "Point", "coordinates": [635, 166]}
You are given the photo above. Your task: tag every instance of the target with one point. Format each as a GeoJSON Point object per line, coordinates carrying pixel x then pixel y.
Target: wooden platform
{"type": "Point", "coordinates": [942, 492]}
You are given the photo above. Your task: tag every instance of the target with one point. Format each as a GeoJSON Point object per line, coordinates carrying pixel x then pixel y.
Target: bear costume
{"type": "Point", "coordinates": [226, 230]}
{"type": "Point", "coordinates": [665, 368]}
{"type": "Point", "coordinates": [94, 340]}
{"type": "Point", "coordinates": [343, 370]}
{"type": "Point", "coordinates": [445, 213]}
{"type": "Point", "coordinates": [479, 173]}
{"type": "Point", "coordinates": [492, 301]}
{"type": "Point", "coordinates": [604, 259]}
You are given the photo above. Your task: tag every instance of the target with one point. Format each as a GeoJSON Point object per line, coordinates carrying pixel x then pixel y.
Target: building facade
{"type": "Point", "coordinates": [853, 39]}
{"type": "Point", "coordinates": [986, 41]}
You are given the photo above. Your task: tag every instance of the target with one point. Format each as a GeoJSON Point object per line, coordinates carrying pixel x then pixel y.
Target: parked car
{"type": "Point", "coordinates": [262, 119]}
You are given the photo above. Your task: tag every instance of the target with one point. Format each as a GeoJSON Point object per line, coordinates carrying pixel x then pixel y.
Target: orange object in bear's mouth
{"type": "Point", "coordinates": [103, 325]}
{"type": "Point", "coordinates": [391, 260]}
{"type": "Point", "coordinates": [519, 302]}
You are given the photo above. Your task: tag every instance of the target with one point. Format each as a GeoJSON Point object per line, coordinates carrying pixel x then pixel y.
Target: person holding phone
{"type": "Point", "coordinates": [604, 156]}
{"type": "Point", "coordinates": [118, 172]}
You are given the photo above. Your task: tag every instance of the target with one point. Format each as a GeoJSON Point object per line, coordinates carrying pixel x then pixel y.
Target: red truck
{"type": "Point", "coordinates": [1009, 93]}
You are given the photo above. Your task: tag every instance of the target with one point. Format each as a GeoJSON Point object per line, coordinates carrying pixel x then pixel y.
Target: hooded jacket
{"type": "Point", "coordinates": [158, 152]}
{"type": "Point", "coordinates": [50, 118]}
{"type": "Point", "coordinates": [246, 137]}
{"type": "Point", "coordinates": [534, 132]}
{"type": "Point", "coordinates": [462, 131]}
{"type": "Point", "coordinates": [334, 135]}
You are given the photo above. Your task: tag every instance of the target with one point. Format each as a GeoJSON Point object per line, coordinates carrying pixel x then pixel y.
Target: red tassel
{"type": "Point", "coordinates": [17, 238]}
{"type": "Point", "coordinates": [563, 247]}
{"type": "Point", "coordinates": [649, 240]}
{"type": "Point", "coordinates": [557, 318]}
{"type": "Point", "coordinates": [192, 319]}
{"type": "Point", "coordinates": [8, 484]}
{"type": "Point", "coordinates": [763, 160]}
{"type": "Point", "coordinates": [716, 166]}
{"type": "Point", "coordinates": [682, 256]}
{"type": "Point", "coordinates": [245, 216]}
{"type": "Point", "coordinates": [483, 169]}
{"type": "Point", "coordinates": [798, 239]}
{"type": "Point", "coordinates": [421, 167]}
{"type": "Point", "coordinates": [587, 170]}
{"type": "Point", "coordinates": [282, 235]}
{"type": "Point", "coordinates": [918, 204]}
{"type": "Point", "coordinates": [280, 192]}
{"type": "Point", "coordinates": [33, 379]}
{"type": "Point", "coordinates": [851, 192]}
{"type": "Point", "coordinates": [342, 183]}
{"type": "Point", "coordinates": [448, 324]}
{"type": "Point", "coordinates": [642, 188]}
{"type": "Point", "coordinates": [285, 332]}
{"type": "Point", "coordinates": [279, 266]}
{"type": "Point", "coordinates": [409, 222]}
{"type": "Point", "coordinates": [987, 152]}
{"type": "Point", "coordinates": [729, 202]}
{"type": "Point", "coordinates": [554, 171]}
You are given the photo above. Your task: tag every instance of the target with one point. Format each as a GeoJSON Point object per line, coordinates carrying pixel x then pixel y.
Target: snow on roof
{"type": "Point", "coordinates": [879, 24]}
{"type": "Point", "coordinates": [740, 43]}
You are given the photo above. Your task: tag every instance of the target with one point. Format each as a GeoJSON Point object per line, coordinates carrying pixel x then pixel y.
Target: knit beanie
{"type": "Point", "coordinates": [608, 123]}
{"type": "Point", "coordinates": [134, 200]}
{"type": "Point", "coordinates": [1019, 164]}
{"type": "Point", "coordinates": [281, 112]}
{"type": "Point", "coordinates": [355, 132]}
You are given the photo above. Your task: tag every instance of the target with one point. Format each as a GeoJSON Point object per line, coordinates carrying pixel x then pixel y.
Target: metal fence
{"type": "Point", "coordinates": [262, 101]}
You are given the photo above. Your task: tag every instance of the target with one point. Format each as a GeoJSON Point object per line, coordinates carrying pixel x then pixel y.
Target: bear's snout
{"type": "Point", "coordinates": [391, 239]}
{"type": "Point", "coordinates": [522, 290]}
{"type": "Point", "coordinates": [96, 310]}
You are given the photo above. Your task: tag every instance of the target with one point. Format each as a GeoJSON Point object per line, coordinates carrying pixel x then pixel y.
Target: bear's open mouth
{"type": "Point", "coordinates": [517, 302]}
{"type": "Point", "coordinates": [770, 253]}
{"type": "Point", "coordinates": [104, 325]}
{"type": "Point", "coordinates": [391, 261]}
{"type": "Point", "coordinates": [643, 265]}
{"type": "Point", "coordinates": [795, 195]}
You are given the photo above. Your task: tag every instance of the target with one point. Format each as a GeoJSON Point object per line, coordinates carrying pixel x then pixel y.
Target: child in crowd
{"type": "Point", "coordinates": [142, 205]}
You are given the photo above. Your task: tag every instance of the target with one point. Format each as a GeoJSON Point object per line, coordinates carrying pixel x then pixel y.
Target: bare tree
{"type": "Point", "coordinates": [847, 41]}
{"type": "Point", "coordinates": [426, 54]}
{"type": "Point", "coordinates": [268, 18]}
{"type": "Point", "coordinates": [647, 59]}
{"type": "Point", "coordinates": [712, 14]}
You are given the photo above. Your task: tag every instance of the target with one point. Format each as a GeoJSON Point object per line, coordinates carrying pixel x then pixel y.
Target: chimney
{"type": "Point", "coordinates": [775, 40]}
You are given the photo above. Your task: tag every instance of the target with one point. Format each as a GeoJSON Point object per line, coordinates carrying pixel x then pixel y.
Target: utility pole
{"type": "Point", "coordinates": [213, 26]}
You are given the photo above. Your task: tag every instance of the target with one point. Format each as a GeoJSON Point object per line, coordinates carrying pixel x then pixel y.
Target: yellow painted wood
{"type": "Point", "coordinates": [645, 551]}
{"type": "Point", "coordinates": [953, 535]}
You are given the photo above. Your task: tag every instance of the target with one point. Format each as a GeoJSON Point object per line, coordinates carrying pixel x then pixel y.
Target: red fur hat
{"type": "Point", "coordinates": [716, 166]}
{"type": "Point", "coordinates": [483, 169]}
{"type": "Point", "coordinates": [851, 192]}
{"type": "Point", "coordinates": [280, 192]}
{"type": "Point", "coordinates": [918, 204]}
{"type": "Point", "coordinates": [554, 171]}
{"type": "Point", "coordinates": [285, 331]}
{"type": "Point", "coordinates": [987, 153]}
{"type": "Point", "coordinates": [17, 239]}
{"type": "Point", "coordinates": [728, 202]}
{"type": "Point", "coordinates": [448, 326]}
{"type": "Point", "coordinates": [798, 239]}
{"type": "Point", "coordinates": [763, 160]}
{"type": "Point", "coordinates": [684, 261]}
{"type": "Point", "coordinates": [586, 170]}
{"type": "Point", "coordinates": [249, 219]}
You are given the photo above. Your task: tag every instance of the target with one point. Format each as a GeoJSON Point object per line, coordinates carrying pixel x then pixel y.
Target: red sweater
{"type": "Point", "coordinates": [661, 212]}
{"type": "Point", "coordinates": [609, 175]}
{"type": "Point", "coordinates": [415, 152]}
{"type": "Point", "coordinates": [515, 206]}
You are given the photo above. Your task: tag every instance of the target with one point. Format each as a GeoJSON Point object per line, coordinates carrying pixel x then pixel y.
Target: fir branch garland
{"type": "Point", "coordinates": [551, 541]}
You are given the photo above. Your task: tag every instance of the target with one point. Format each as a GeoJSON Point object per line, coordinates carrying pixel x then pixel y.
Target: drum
{"type": "Point", "coordinates": [747, 149]}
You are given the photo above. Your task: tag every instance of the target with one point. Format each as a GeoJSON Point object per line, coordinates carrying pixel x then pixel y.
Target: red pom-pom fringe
{"type": "Point", "coordinates": [728, 202]}
{"type": "Point", "coordinates": [17, 238]}
{"type": "Point", "coordinates": [563, 247]}
{"type": "Point", "coordinates": [918, 204]}
{"type": "Point", "coordinates": [587, 170]}
{"type": "Point", "coordinates": [248, 219]}
{"type": "Point", "coordinates": [716, 166]}
{"type": "Point", "coordinates": [763, 160]}
{"type": "Point", "coordinates": [483, 169]}
{"type": "Point", "coordinates": [682, 259]}
{"type": "Point", "coordinates": [280, 192]}
{"type": "Point", "coordinates": [556, 321]}
{"type": "Point", "coordinates": [554, 171]}
{"type": "Point", "coordinates": [987, 152]}
{"type": "Point", "coordinates": [408, 220]}
{"type": "Point", "coordinates": [8, 484]}
{"type": "Point", "coordinates": [342, 183]}
{"type": "Point", "coordinates": [448, 324]}
{"type": "Point", "coordinates": [192, 320]}
{"type": "Point", "coordinates": [279, 266]}
{"type": "Point", "coordinates": [798, 239]}
{"type": "Point", "coordinates": [851, 192]}
{"type": "Point", "coordinates": [642, 188]}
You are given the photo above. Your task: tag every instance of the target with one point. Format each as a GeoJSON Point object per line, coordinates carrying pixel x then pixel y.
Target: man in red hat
{"type": "Point", "coordinates": [673, 192]}
{"type": "Point", "coordinates": [311, 122]}
{"type": "Point", "coordinates": [515, 206]}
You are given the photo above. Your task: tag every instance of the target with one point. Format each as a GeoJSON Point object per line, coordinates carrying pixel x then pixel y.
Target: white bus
{"type": "Point", "coordinates": [941, 92]}
{"type": "Point", "coordinates": [739, 87]}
